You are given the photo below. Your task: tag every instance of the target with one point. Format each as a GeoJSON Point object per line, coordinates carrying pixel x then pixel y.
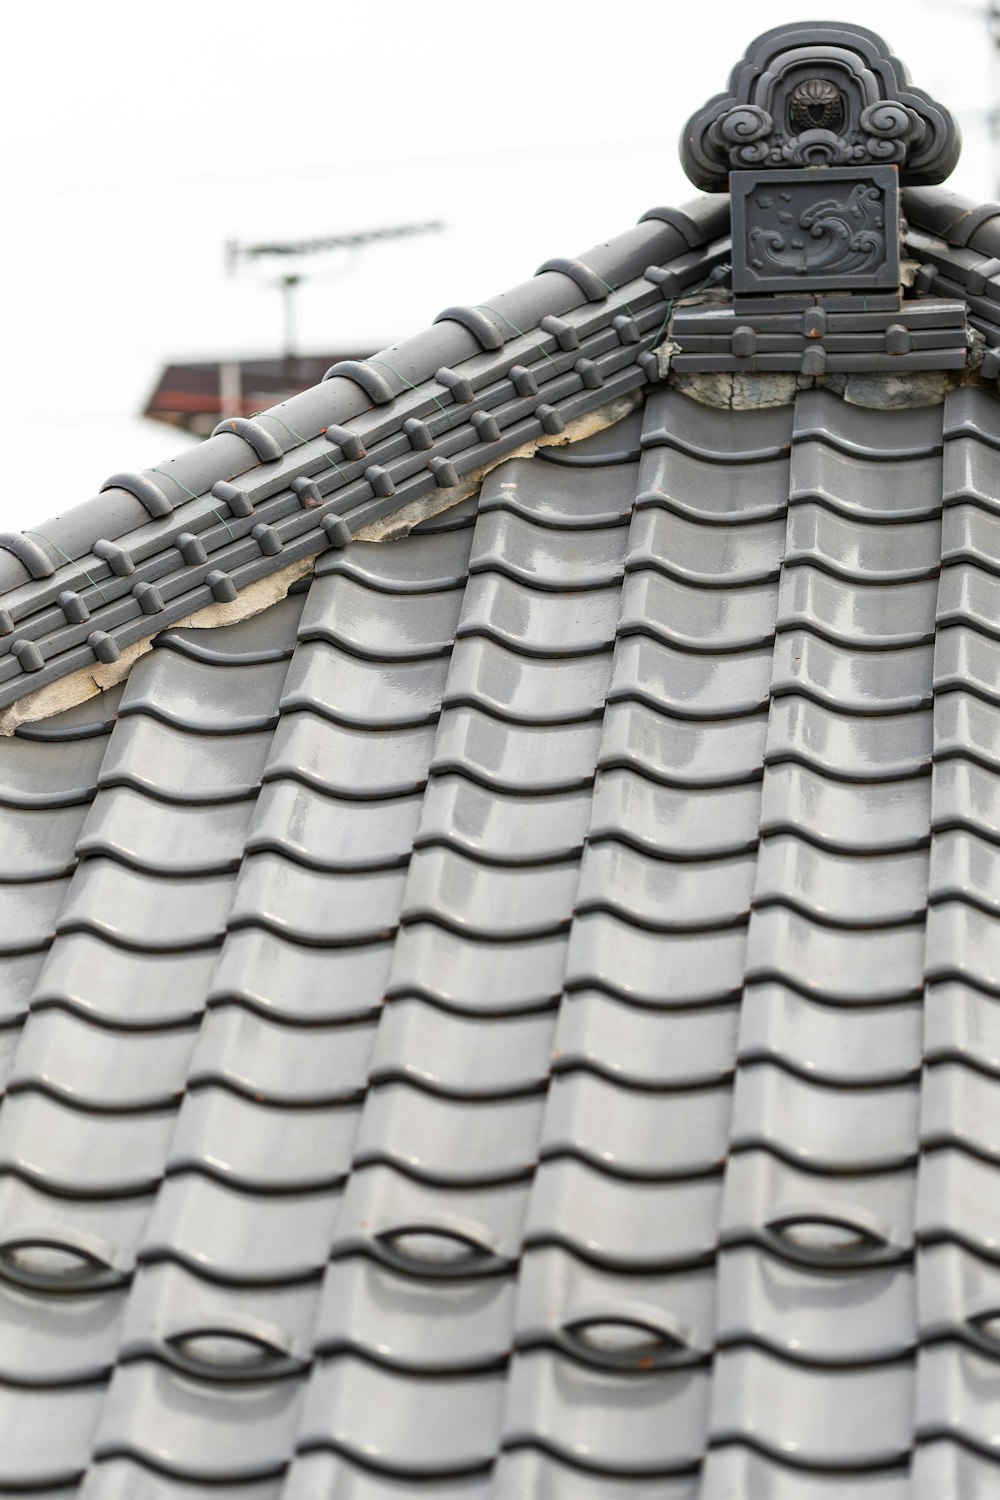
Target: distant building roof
{"type": "Point", "coordinates": [501, 947]}
{"type": "Point", "coordinates": [197, 394]}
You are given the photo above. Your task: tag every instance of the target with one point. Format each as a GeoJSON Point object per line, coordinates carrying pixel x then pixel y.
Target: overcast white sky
{"type": "Point", "coordinates": [138, 139]}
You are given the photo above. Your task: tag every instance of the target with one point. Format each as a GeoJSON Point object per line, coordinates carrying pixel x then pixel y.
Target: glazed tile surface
{"type": "Point", "coordinates": [518, 1018]}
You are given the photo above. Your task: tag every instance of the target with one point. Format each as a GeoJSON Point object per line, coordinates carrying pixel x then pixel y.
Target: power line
{"type": "Point", "coordinates": [564, 151]}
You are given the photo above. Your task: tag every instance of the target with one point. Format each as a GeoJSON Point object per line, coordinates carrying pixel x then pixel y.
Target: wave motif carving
{"type": "Point", "coordinates": [845, 234]}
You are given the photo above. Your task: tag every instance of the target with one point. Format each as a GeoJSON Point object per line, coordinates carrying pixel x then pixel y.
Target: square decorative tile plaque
{"type": "Point", "coordinates": [816, 229]}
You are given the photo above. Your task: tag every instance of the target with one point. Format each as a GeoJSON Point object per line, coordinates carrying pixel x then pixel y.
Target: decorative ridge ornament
{"type": "Point", "coordinates": [819, 94]}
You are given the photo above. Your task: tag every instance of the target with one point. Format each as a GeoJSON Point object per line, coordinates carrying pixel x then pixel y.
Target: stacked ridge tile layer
{"type": "Point", "coordinates": [519, 1018]}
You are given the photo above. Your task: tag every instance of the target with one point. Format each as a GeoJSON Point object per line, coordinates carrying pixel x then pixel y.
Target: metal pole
{"type": "Point", "coordinates": [288, 286]}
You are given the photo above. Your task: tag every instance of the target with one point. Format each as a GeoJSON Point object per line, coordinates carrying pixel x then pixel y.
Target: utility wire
{"type": "Point", "coordinates": [564, 151]}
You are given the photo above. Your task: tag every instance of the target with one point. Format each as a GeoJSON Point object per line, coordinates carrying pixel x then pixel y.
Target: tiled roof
{"type": "Point", "coordinates": [500, 1002]}
{"type": "Point", "coordinates": [515, 1019]}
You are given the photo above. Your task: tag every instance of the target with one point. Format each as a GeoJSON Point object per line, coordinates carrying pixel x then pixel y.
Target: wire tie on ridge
{"type": "Point", "coordinates": [519, 331]}
{"type": "Point", "coordinates": [56, 548]}
{"type": "Point", "coordinates": [300, 439]}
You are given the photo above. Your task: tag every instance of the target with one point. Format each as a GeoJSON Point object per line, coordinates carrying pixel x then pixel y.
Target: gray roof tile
{"type": "Point", "coordinates": [951, 1399]}
{"type": "Point", "coordinates": [262, 1147]}
{"type": "Point", "coordinates": [815, 1315]}
{"type": "Point", "coordinates": [697, 619]}
{"type": "Point", "coordinates": [373, 1310]}
{"type": "Point", "coordinates": [413, 565]}
{"type": "Point", "coordinates": [961, 1022]}
{"type": "Point", "coordinates": [349, 762]}
{"type": "Point", "coordinates": [489, 901]}
{"type": "Point", "coordinates": [377, 625]}
{"type": "Point", "coordinates": [123, 1478]}
{"type": "Point", "coordinates": [636, 1424]}
{"type": "Point", "coordinates": [822, 1128]}
{"type": "Point", "coordinates": [516, 757]}
{"type": "Point", "coordinates": [846, 1044]}
{"type": "Point", "coordinates": [535, 554]}
{"type": "Point", "coordinates": [461, 1056]}
{"type": "Point", "coordinates": [698, 554]}
{"type": "Point", "coordinates": [127, 907]}
{"type": "Point", "coordinates": [58, 1340]}
{"type": "Point", "coordinates": [856, 430]}
{"type": "Point", "coordinates": [945, 1465]}
{"type": "Point", "coordinates": [48, 775]}
{"type": "Point", "coordinates": [46, 1435]}
{"type": "Point", "coordinates": [697, 489]}
{"type": "Point", "coordinates": [907, 490]}
{"type": "Point", "coordinates": [968, 596]}
{"type": "Point", "coordinates": [611, 1320]}
{"type": "Point", "coordinates": [366, 694]}
{"type": "Point", "coordinates": [204, 698]}
{"type": "Point", "coordinates": [958, 1109]}
{"type": "Point", "coordinates": [288, 981]}
{"type": "Point", "coordinates": [969, 534]}
{"type": "Point", "coordinates": [863, 551]}
{"type": "Point", "coordinates": [29, 914]}
{"type": "Point", "coordinates": [573, 622]}
{"type": "Point", "coordinates": [473, 975]}
{"type": "Point", "coordinates": [39, 844]}
{"type": "Point", "coordinates": [662, 969]}
{"type": "Point", "coordinates": [212, 1331]}
{"type": "Point", "coordinates": [856, 816]}
{"type": "Point", "coordinates": [850, 680]}
{"type": "Point", "coordinates": [849, 748]}
{"type": "Point", "coordinates": [315, 906]}
{"type": "Point", "coordinates": [621, 1223]}
{"type": "Point", "coordinates": [859, 615]}
{"type": "Point", "coordinates": [111, 985]}
{"type": "Point", "coordinates": [963, 866]}
{"type": "Point", "coordinates": [735, 1470]}
{"type": "Point", "coordinates": [94, 1067]}
{"type": "Point", "coordinates": [644, 1047]}
{"type": "Point", "coordinates": [712, 434]}
{"type": "Point", "coordinates": [852, 967]}
{"type": "Point", "coordinates": [956, 1201]}
{"type": "Point", "coordinates": [330, 833]}
{"type": "Point", "coordinates": [500, 826]}
{"type": "Point", "coordinates": [62, 1150]}
{"type": "Point", "coordinates": [459, 1143]}
{"type": "Point", "coordinates": [325, 1473]}
{"type": "Point", "coordinates": [846, 890]}
{"type": "Point", "coordinates": [843, 1419]}
{"type": "Point", "coordinates": [532, 690]}
{"type": "Point", "coordinates": [817, 1218]}
{"type": "Point", "coordinates": [299, 1065]}
{"type": "Point", "coordinates": [661, 894]}
{"type": "Point", "coordinates": [178, 766]}
{"type": "Point", "coordinates": [198, 1429]}
{"type": "Point", "coordinates": [675, 822]}
{"type": "Point", "coordinates": [428, 1229]}
{"type": "Point", "coordinates": [965, 659]}
{"type": "Point", "coordinates": [591, 1058]}
{"type": "Point", "coordinates": [227, 1234]}
{"type": "Point", "coordinates": [449, 1425]}
{"type": "Point", "coordinates": [689, 684]}
{"type": "Point", "coordinates": [58, 1243]}
{"type": "Point", "coordinates": [528, 1471]}
{"type": "Point", "coordinates": [637, 1135]}
{"type": "Point", "coordinates": [962, 943]}
{"type": "Point", "coordinates": [165, 838]}
{"type": "Point", "coordinates": [970, 470]}
{"type": "Point", "coordinates": [598, 497]}
{"type": "Point", "coordinates": [681, 752]}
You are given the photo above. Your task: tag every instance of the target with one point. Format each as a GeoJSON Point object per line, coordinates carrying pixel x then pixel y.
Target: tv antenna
{"type": "Point", "coordinates": [237, 253]}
